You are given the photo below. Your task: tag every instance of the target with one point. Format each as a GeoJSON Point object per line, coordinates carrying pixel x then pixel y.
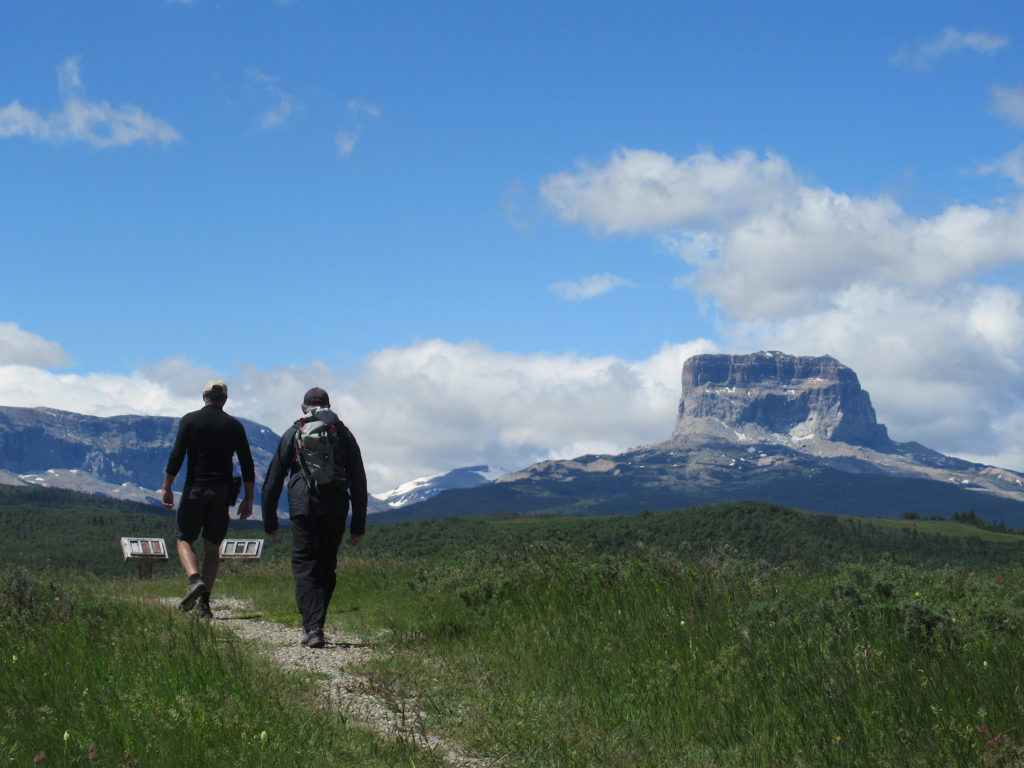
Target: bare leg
{"type": "Point", "coordinates": [188, 558]}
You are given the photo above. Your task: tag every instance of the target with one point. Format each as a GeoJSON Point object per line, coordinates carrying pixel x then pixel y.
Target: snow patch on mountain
{"type": "Point", "coordinates": [427, 487]}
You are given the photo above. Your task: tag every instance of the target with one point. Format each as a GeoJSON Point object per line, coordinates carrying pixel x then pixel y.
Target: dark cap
{"type": "Point", "coordinates": [316, 396]}
{"type": "Point", "coordinates": [216, 388]}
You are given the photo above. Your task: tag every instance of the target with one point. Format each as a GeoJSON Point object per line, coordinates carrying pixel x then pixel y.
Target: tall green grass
{"type": "Point", "coordinates": [553, 659]}
{"type": "Point", "coordinates": [542, 655]}
{"type": "Point", "coordinates": [88, 680]}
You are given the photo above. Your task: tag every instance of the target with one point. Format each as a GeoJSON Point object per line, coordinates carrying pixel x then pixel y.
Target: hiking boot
{"type": "Point", "coordinates": [195, 589]}
{"type": "Point", "coordinates": [313, 639]}
{"type": "Point", "coordinates": [203, 610]}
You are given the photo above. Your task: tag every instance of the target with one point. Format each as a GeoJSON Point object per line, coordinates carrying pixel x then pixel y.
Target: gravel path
{"type": "Point", "coordinates": [361, 700]}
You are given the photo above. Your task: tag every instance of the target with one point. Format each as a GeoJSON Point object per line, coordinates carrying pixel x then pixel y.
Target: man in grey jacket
{"type": "Point", "coordinates": [318, 508]}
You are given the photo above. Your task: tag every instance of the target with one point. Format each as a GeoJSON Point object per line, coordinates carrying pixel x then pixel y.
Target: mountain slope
{"type": "Point", "coordinates": [424, 488]}
{"type": "Point", "coordinates": [118, 456]}
{"type": "Point", "coordinates": [797, 431]}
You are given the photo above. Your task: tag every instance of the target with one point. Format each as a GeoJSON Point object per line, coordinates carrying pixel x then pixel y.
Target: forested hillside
{"type": "Point", "coordinates": [63, 529]}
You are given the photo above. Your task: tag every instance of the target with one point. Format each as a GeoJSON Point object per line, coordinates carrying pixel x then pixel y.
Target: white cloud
{"type": "Point", "coordinates": [765, 245]}
{"type": "Point", "coordinates": [943, 368]}
{"type": "Point", "coordinates": [358, 106]}
{"type": "Point", "coordinates": [283, 102]}
{"type": "Point", "coordinates": [345, 142]}
{"type": "Point", "coordinates": [18, 347]}
{"type": "Point", "coordinates": [639, 190]}
{"type": "Point", "coordinates": [1011, 166]}
{"type": "Point", "coordinates": [952, 40]}
{"type": "Point", "coordinates": [589, 287]}
{"type": "Point", "coordinates": [906, 301]}
{"type": "Point", "coordinates": [96, 123]}
{"type": "Point", "coordinates": [1009, 103]}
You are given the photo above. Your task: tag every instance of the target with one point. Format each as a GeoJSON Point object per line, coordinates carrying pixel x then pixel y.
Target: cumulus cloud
{"type": "Point", "coordinates": [589, 287]}
{"type": "Point", "coordinates": [952, 40]}
{"type": "Point", "coordinates": [640, 190]}
{"type": "Point", "coordinates": [764, 244]}
{"type": "Point", "coordinates": [906, 301]}
{"type": "Point", "coordinates": [283, 103]}
{"type": "Point", "coordinates": [19, 347]}
{"type": "Point", "coordinates": [943, 368]}
{"type": "Point", "coordinates": [96, 123]}
{"type": "Point", "coordinates": [415, 410]}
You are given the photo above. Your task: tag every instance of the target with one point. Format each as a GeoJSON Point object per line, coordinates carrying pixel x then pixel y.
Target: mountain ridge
{"type": "Point", "coordinates": [770, 426]}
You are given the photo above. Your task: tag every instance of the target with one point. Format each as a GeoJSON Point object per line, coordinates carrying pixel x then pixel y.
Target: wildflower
{"type": "Point", "coordinates": [682, 622]}
{"type": "Point", "coordinates": [263, 736]}
{"type": "Point", "coordinates": [38, 758]}
{"type": "Point", "coordinates": [66, 736]}
{"type": "Point", "coordinates": [838, 739]}
{"type": "Point", "coordinates": [14, 658]}
{"type": "Point", "coordinates": [917, 594]}
{"type": "Point", "coordinates": [954, 619]}
{"type": "Point", "coordinates": [92, 751]}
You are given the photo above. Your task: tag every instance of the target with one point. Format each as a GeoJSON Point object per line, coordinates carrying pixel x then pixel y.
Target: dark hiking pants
{"type": "Point", "coordinates": [315, 541]}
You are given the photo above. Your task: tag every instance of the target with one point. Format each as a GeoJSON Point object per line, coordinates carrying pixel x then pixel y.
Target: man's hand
{"type": "Point", "coordinates": [353, 540]}
{"type": "Point", "coordinates": [245, 509]}
{"type": "Point", "coordinates": [272, 534]}
{"type": "Point", "coordinates": [168, 498]}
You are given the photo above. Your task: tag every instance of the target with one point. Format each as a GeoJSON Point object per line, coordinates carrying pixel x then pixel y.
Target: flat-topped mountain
{"type": "Point", "coordinates": [798, 431]}
{"type": "Point", "coordinates": [774, 397]}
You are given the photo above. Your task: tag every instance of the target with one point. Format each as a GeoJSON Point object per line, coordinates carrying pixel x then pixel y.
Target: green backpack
{"type": "Point", "coordinates": [315, 444]}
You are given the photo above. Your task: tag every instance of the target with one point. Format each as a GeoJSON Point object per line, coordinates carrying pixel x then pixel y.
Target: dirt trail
{"type": "Point", "coordinates": [363, 702]}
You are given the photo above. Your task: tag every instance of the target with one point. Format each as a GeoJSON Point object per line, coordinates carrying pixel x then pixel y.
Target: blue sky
{"type": "Point", "coordinates": [494, 231]}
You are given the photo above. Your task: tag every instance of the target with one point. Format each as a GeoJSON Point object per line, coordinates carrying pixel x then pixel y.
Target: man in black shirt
{"type": "Point", "coordinates": [317, 509]}
{"type": "Point", "coordinates": [209, 438]}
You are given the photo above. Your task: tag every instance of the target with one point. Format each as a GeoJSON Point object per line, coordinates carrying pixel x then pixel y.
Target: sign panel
{"type": "Point", "coordinates": [241, 549]}
{"type": "Point", "coordinates": [142, 548]}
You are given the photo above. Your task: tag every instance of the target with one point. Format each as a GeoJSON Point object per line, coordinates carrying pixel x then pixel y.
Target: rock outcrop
{"type": "Point", "coordinates": [777, 397]}
{"type": "Point", "coordinates": [770, 426]}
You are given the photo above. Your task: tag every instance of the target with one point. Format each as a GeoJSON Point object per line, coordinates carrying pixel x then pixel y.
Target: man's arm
{"type": "Point", "coordinates": [248, 471]}
{"type": "Point", "coordinates": [167, 495]}
{"type": "Point", "coordinates": [174, 462]}
{"type": "Point", "coordinates": [273, 483]}
{"type": "Point", "coordinates": [357, 489]}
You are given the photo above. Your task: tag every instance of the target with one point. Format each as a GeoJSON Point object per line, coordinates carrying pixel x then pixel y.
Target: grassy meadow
{"type": "Point", "coordinates": [555, 642]}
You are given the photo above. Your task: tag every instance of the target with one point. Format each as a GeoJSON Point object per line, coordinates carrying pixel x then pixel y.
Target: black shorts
{"type": "Point", "coordinates": [203, 507]}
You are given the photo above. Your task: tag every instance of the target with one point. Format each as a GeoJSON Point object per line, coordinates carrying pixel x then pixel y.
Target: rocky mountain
{"type": "Point", "coordinates": [424, 488]}
{"type": "Point", "coordinates": [118, 456]}
{"type": "Point", "coordinates": [769, 426]}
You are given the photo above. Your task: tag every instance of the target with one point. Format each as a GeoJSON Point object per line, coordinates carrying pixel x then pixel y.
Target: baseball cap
{"type": "Point", "coordinates": [316, 396]}
{"type": "Point", "coordinates": [215, 386]}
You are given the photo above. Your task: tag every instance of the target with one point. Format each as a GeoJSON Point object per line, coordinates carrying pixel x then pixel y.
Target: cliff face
{"type": "Point", "coordinates": [771, 395]}
{"type": "Point", "coordinates": [770, 426]}
{"type": "Point", "coordinates": [113, 451]}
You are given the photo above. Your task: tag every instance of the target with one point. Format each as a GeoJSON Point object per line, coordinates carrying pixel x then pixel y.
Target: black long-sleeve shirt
{"type": "Point", "coordinates": [329, 500]}
{"type": "Point", "coordinates": [210, 437]}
